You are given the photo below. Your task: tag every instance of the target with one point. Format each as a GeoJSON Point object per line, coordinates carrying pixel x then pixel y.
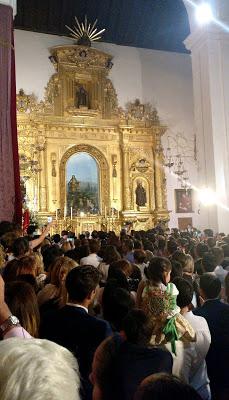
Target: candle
{"type": "Point", "coordinates": [65, 212]}
{"type": "Point", "coordinates": [71, 213]}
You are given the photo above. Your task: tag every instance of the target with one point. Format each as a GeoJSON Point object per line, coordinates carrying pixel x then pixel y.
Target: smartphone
{"type": "Point", "coordinates": [70, 240]}
{"type": "Point", "coordinates": [49, 219]}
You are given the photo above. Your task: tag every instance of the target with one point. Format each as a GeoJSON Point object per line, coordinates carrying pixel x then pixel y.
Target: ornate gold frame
{"type": "Point", "coordinates": [104, 182]}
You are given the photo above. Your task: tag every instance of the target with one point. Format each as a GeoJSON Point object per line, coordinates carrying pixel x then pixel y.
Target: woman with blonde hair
{"type": "Point", "coordinates": [54, 294]}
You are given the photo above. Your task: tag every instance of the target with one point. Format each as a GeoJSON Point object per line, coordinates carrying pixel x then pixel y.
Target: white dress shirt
{"type": "Point", "coordinates": [189, 362]}
{"type": "Point", "coordinates": [92, 259]}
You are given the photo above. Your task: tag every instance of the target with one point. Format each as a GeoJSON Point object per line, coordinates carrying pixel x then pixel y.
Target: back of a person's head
{"type": "Point", "coordinates": [188, 266]}
{"type": "Point", "coordinates": [6, 226]}
{"type": "Point", "coordinates": [31, 229]}
{"type": "Point", "coordinates": [210, 286]}
{"type": "Point", "coordinates": [50, 254]}
{"type": "Point", "coordinates": [219, 255]}
{"type": "Point", "coordinates": [177, 270]}
{"type": "Point", "coordinates": [225, 248]}
{"type": "Point", "coordinates": [56, 238]}
{"type": "Point", "coordinates": [81, 281]}
{"type": "Point", "coordinates": [208, 233]}
{"type": "Point", "coordinates": [35, 369]}
{"type": "Point", "coordinates": [209, 262]}
{"type": "Point", "coordinates": [163, 387]}
{"type": "Point", "coordinates": [156, 269]}
{"type": "Point", "coordinates": [139, 256]}
{"type": "Point", "coordinates": [180, 257]}
{"type": "Point", "coordinates": [116, 303]}
{"type": "Point", "coordinates": [185, 289]}
{"type": "Point", "coordinates": [11, 270]}
{"type": "Point", "coordinates": [201, 248]}
{"type": "Point", "coordinates": [59, 269]}
{"type": "Point", "coordinates": [7, 241]}
{"type": "Point", "coordinates": [138, 327]}
{"type": "Point", "coordinates": [111, 254]}
{"type": "Point", "coordinates": [172, 246]}
{"type": "Point", "coordinates": [22, 302]}
{"type": "Point", "coordinates": [122, 265]}
{"type": "Point", "coordinates": [20, 247]}
{"type": "Point", "coordinates": [137, 244]}
{"type": "Point", "coordinates": [128, 244]}
{"type": "Point", "coordinates": [28, 265]}
{"type": "Point", "coordinates": [211, 242]}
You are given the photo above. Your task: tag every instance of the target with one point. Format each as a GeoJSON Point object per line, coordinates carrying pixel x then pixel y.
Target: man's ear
{"type": "Point", "coordinates": [91, 295]}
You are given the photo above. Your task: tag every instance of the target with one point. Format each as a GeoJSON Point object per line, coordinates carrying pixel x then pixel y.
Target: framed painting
{"type": "Point", "coordinates": [183, 200]}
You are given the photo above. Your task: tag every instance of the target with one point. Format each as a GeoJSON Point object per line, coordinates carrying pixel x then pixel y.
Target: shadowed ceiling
{"type": "Point", "coordinates": [151, 24]}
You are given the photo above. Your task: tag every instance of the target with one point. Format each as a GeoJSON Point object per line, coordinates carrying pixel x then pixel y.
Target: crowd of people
{"type": "Point", "coordinates": [100, 316]}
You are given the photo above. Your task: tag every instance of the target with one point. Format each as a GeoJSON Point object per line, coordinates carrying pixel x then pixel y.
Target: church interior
{"type": "Point", "coordinates": [114, 199]}
{"type": "Point", "coordinates": [121, 119]}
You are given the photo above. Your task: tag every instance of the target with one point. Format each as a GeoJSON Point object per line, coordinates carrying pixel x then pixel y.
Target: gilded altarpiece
{"type": "Point", "coordinates": [80, 114]}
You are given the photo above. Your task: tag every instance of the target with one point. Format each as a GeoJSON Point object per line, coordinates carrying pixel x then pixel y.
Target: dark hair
{"type": "Point", "coordinates": [227, 287]}
{"type": "Point", "coordinates": [129, 244]}
{"type": "Point", "coordinates": [210, 285]}
{"type": "Point", "coordinates": [110, 254]}
{"type": "Point", "coordinates": [157, 266]}
{"type": "Point", "coordinates": [186, 291]}
{"type": "Point", "coordinates": [225, 248]}
{"type": "Point", "coordinates": [7, 241]}
{"type": "Point", "coordinates": [122, 265]}
{"type": "Point", "coordinates": [56, 238]}
{"type": "Point", "coordinates": [22, 301]}
{"type": "Point", "coordinates": [219, 255]}
{"type": "Point", "coordinates": [31, 229]}
{"type": "Point", "coordinates": [180, 257]}
{"type": "Point", "coordinates": [20, 247]}
{"type": "Point", "coordinates": [137, 244]}
{"type": "Point", "coordinates": [211, 242]}
{"type": "Point", "coordinates": [94, 245]}
{"type": "Point", "coordinates": [172, 246]}
{"type": "Point", "coordinates": [138, 327]}
{"type": "Point", "coordinates": [209, 262]}
{"type": "Point", "coordinates": [201, 248]}
{"type": "Point", "coordinates": [116, 303]}
{"type": "Point", "coordinates": [177, 270]}
{"type": "Point", "coordinates": [50, 254]}
{"type": "Point", "coordinates": [139, 256]}
{"type": "Point", "coordinates": [11, 270]}
{"type": "Point", "coordinates": [208, 232]}
{"type": "Point", "coordinates": [163, 387]}
{"type": "Point", "coordinates": [81, 281]}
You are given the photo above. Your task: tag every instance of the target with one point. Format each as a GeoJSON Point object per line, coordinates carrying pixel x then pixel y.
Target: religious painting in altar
{"type": "Point", "coordinates": [82, 184]}
{"type": "Point", "coordinates": [183, 200]}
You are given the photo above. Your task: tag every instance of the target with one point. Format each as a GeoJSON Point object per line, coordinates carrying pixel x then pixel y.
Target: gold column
{"type": "Point", "coordinates": [42, 187]}
{"type": "Point", "coordinates": [125, 174]}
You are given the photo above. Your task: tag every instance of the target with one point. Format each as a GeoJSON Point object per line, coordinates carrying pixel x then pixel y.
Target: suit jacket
{"type": "Point", "coordinates": [73, 328]}
{"type": "Point", "coordinates": [216, 314]}
{"type": "Point", "coordinates": [134, 363]}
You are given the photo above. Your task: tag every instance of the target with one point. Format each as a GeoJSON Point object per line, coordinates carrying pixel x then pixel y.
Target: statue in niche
{"type": "Point", "coordinates": [72, 194]}
{"type": "Point", "coordinates": [82, 97]}
{"type": "Point", "coordinates": [140, 195]}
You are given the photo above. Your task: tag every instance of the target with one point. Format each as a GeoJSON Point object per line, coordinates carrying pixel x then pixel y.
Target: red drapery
{"type": "Point", "coordinates": [10, 194]}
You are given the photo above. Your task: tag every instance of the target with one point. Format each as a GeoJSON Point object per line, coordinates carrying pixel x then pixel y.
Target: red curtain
{"type": "Point", "coordinates": [10, 194]}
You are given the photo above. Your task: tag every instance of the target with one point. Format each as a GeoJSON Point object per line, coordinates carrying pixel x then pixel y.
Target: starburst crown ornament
{"type": "Point", "coordinates": [85, 33]}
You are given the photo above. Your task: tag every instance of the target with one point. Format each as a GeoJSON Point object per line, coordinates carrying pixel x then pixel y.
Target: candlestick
{"type": "Point", "coordinates": [71, 213]}
{"type": "Point", "coordinates": [65, 212]}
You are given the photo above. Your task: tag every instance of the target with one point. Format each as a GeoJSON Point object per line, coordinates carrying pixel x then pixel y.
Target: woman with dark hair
{"type": "Point", "coordinates": [22, 302]}
{"type": "Point", "coordinates": [110, 255]}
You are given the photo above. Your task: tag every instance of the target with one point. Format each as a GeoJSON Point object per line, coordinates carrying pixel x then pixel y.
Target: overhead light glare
{"type": "Point", "coordinates": [204, 13]}
{"type": "Point", "coordinates": [207, 197]}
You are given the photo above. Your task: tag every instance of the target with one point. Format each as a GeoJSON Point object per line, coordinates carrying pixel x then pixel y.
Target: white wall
{"type": "Point", "coordinates": [162, 78]}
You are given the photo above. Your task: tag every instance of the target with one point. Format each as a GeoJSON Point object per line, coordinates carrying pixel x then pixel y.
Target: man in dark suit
{"type": "Point", "coordinates": [217, 315]}
{"type": "Point", "coordinates": [72, 327]}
